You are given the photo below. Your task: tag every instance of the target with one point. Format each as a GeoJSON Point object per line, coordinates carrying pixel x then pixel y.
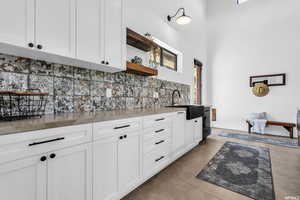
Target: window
{"type": "Point", "coordinates": [197, 83]}
{"type": "Point", "coordinates": [166, 56]}
{"type": "Point", "coordinates": [168, 59]}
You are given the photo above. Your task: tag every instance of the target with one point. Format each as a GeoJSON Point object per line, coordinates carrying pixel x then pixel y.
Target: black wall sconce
{"type": "Point", "coordinates": [182, 19]}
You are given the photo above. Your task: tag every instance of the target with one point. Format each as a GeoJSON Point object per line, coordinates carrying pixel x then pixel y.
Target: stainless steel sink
{"type": "Point", "coordinates": [192, 111]}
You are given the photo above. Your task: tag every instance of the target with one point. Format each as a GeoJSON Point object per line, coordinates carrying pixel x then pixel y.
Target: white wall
{"type": "Point", "coordinates": [151, 16]}
{"type": "Point", "coordinates": [256, 38]}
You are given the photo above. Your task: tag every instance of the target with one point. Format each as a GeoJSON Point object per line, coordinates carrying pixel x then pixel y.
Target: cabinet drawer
{"type": "Point", "coordinates": [159, 131]}
{"type": "Point", "coordinates": [156, 160]}
{"type": "Point", "coordinates": [155, 143]}
{"type": "Point", "coordinates": [157, 120]}
{"type": "Point", "coordinates": [21, 145]}
{"type": "Point", "coordinates": [111, 128]}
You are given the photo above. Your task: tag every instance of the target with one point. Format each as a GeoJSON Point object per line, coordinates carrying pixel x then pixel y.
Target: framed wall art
{"type": "Point", "coordinates": [270, 79]}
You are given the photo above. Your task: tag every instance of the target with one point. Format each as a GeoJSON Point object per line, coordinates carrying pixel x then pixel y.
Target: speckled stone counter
{"type": "Point", "coordinates": [61, 120]}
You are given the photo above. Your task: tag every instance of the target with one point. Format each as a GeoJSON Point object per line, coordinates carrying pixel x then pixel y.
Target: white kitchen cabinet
{"type": "Point", "coordinates": [193, 132]}
{"type": "Point", "coordinates": [106, 168]}
{"type": "Point", "coordinates": [69, 174]}
{"type": "Point", "coordinates": [129, 162]}
{"type": "Point", "coordinates": [90, 30]}
{"type": "Point", "coordinates": [50, 164]}
{"type": "Point", "coordinates": [83, 33]}
{"type": "Point", "coordinates": [23, 179]}
{"type": "Point", "coordinates": [55, 27]}
{"type": "Point", "coordinates": [189, 134]}
{"type": "Point", "coordinates": [116, 159]}
{"type": "Point", "coordinates": [17, 22]}
{"type": "Point", "coordinates": [198, 128]}
{"type": "Point", "coordinates": [103, 161]}
{"type": "Point", "coordinates": [178, 135]}
{"type": "Point", "coordinates": [114, 33]}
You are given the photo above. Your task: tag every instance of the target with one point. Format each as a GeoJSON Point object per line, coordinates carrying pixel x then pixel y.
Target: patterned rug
{"type": "Point", "coordinates": [262, 139]}
{"type": "Point", "coordinates": [243, 169]}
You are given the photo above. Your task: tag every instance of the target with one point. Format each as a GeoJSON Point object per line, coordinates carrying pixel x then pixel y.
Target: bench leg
{"type": "Point", "coordinates": [290, 130]}
{"type": "Point", "coordinates": [249, 128]}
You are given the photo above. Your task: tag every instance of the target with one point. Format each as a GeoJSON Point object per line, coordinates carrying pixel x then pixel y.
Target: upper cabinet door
{"type": "Point", "coordinates": [23, 179]}
{"type": "Point", "coordinates": [17, 22]}
{"type": "Point", "coordinates": [70, 174]}
{"type": "Point", "coordinates": [115, 35]}
{"type": "Point", "coordinates": [89, 18]}
{"type": "Point", "coordinates": [55, 26]}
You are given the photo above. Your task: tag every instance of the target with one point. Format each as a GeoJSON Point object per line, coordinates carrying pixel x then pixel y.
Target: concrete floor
{"type": "Point", "coordinates": [178, 181]}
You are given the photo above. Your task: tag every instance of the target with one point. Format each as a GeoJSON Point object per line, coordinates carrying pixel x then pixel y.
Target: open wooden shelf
{"type": "Point", "coordinates": [139, 41]}
{"type": "Point", "coordinates": [140, 69]}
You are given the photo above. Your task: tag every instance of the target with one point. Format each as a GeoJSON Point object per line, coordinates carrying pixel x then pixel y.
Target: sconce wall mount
{"type": "Point", "coordinates": [182, 19]}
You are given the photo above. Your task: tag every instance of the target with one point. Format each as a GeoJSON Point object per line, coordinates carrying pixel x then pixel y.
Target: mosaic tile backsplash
{"type": "Point", "coordinates": [73, 89]}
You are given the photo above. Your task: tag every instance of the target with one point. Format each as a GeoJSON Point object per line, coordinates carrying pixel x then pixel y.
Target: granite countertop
{"type": "Point", "coordinates": [61, 120]}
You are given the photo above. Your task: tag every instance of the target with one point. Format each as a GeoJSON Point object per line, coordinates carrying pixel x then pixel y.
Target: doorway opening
{"type": "Point", "coordinates": [197, 82]}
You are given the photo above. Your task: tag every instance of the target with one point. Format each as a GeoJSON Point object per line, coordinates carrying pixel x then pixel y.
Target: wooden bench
{"type": "Point", "coordinates": [288, 126]}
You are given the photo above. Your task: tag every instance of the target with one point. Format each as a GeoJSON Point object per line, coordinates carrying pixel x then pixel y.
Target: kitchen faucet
{"type": "Point", "coordinates": [173, 103]}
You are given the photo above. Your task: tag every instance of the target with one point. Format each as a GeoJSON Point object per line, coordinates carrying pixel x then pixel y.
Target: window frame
{"type": "Point", "coordinates": [162, 49]}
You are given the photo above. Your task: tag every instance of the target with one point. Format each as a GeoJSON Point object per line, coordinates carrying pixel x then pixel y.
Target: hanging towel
{"type": "Point", "coordinates": [259, 125]}
{"type": "Point", "coordinates": [258, 122]}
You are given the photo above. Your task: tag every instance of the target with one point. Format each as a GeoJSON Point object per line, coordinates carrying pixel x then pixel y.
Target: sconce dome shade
{"type": "Point", "coordinates": [182, 20]}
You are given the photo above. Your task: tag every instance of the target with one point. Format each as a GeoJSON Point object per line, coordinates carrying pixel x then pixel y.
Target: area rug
{"type": "Point", "coordinates": [262, 139]}
{"type": "Point", "coordinates": [243, 169]}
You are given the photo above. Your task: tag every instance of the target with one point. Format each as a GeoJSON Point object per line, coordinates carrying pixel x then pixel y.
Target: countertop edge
{"type": "Point", "coordinates": [71, 119]}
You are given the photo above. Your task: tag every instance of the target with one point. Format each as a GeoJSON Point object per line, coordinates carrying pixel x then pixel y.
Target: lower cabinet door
{"type": "Point", "coordinates": [198, 129]}
{"type": "Point", "coordinates": [189, 133]}
{"type": "Point", "coordinates": [23, 179]}
{"type": "Point", "coordinates": [69, 174]}
{"type": "Point", "coordinates": [105, 169]}
{"type": "Point", "coordinates": [129, 163]}
{"type": "Point", "coordinates": [178, 136]}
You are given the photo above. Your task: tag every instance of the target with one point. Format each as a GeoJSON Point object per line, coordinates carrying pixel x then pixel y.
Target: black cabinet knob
{"type": "Point", "coordinates": [31, 45]}
{"type": "Point", "coordinates": [121, 137]}
{"type": "Point", "coordinates": [39, 46]}
{"type": "Point", "coordinates": [196, 121]}
{"type": "Point", "coordinates": [103, 62]}
{"type": "Point", "coordinates": [43, 158]}
{"type": "Point", "coordinates": [125, 136]}
{"type": "Point", "coordinates": [107, 63]}
{"type": "Point", "coordinates": [53, 155]}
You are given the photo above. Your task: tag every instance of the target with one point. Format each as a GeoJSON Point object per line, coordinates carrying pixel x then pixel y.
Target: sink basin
{"type": "Point", "coordinates": [192, 111]}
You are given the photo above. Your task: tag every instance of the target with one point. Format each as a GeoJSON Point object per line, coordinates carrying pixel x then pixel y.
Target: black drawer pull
{"type": "Point", "coordinates": [47, 141]}
{"type": "Point", "coordinates": [158, 131]}
{"type": "Point", "coordinates": [159, 142]}
{"type": "Point", "coordinates": [160, 119]}
{"type": "Point", "coordinates": [158, 159]}
{"type": "Point", "coordinates": [120, 127]}
{"type": "Point", "coordinates": [180, 112]}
